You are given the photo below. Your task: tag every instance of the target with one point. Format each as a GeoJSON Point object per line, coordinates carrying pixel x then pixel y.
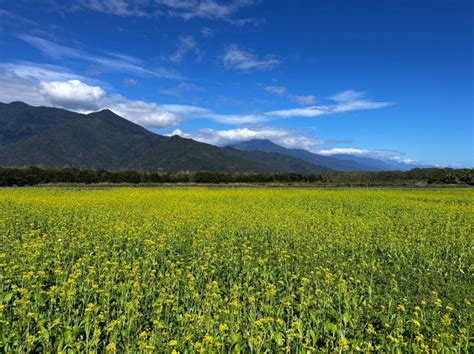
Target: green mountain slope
{"type": "Point", "coordinates": [321, 160]}
{"type": "Point", "coordinates": [52, 137]}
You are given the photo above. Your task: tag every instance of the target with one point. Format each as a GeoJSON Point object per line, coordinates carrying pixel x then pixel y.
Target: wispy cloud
{"type": "Point", "coordinates": [130, 82]}
{"type": "Point", "coordinates": [237, 119]}
{"type": "Point", "coordinates": [276, 90]}
{"type": "Point", "coordinates": [209, 9]}
{"type": "Point", "coordinates": [118, 7]}
{"type": "Point", "coordinates": [207, 32]}
{"type": "Point", "coordinates": [182, 88]}
{"type": "Point", "coordinates": [14, 19]}
{"type": "Point", "coordinates": [303, 100]}
{"type": "Point", "coordinates": [186, 45]}
{"type": "Point", "coordinates": [29, 71]}
{"type": "Point", "coordinates": [53, 85]}
{"type": "Point", "coordinates": [282, 91]}
{"type": "Point", "coordinates": [108, 61]}
{"type": "Point", "coordinates": [185, 9]}
{"type": "Point", "coordinates": [345, 101]}
{"type": "Point", "coordinates": [236, 58]}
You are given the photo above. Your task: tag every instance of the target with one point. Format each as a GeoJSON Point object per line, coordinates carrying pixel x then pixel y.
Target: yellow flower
{"type": "Point", "coordinates": [416, 323]}
{"type": "Point", "coordinates": [446, 320]}
{"type": "Point", "coordinates": [223, 327]}
{"type": "Point", "coordinates": [173, 343]}
{"type": "Point", "coordinates": [111, 347]}
{"type": "Point", "coordinates": [344, 342]}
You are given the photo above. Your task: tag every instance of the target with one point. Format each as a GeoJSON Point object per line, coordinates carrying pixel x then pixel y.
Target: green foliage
{"type": "Point", "coordinates": [262, 270]}
{"type": "Point", "coordinates": [56, 138]}
{"type": "Point", "coordinates": [416, 177]}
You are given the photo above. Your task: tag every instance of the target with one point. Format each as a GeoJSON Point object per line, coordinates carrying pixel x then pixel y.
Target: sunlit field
{"type": "Point", "coordinates": [179, 270]}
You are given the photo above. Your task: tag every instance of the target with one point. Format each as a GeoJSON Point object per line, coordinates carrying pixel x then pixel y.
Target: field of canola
{"type": "Point", "coordinates": [180, 270]}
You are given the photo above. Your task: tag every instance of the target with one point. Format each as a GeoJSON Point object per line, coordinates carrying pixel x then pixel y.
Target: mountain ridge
{"type": "Point", "coordinates": [266, 145]}
{"type": "Point", "coordinates": [54, 137]}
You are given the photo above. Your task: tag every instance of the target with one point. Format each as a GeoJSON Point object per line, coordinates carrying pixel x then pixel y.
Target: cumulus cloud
{"type": "Point", "coordinates": [284, 137]}
{"type": "Point", "coordinates": [239, 59]}
{"type": "Point", "coordinates": [72, 94]}
{"type": "Point", "coordinates": [146, 114]}
{"type": "Point", "coordinates": [42, 85]}
{"type": "Point", "coordinates": [54, 86]}
{"type": "Point", "coordinates": [20, 81]}
{"type": "Point", "coordinates": [390, 155]}
{"type": "Point", "coordinates": [78, 96]}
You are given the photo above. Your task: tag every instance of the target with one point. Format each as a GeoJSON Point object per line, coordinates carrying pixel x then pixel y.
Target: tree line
{"type": "Point", "coordinates": [419, 176]}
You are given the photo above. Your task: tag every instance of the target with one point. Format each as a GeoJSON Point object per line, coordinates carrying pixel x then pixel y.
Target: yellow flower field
{"type": "Point", "coordinates": [180, 270]}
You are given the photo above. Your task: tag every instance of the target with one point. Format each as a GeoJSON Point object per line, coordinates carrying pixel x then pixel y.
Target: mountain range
{"type": "Point", "coordinates": [338, 162]}
{"type": "Point", "coordinates": [54, 137]}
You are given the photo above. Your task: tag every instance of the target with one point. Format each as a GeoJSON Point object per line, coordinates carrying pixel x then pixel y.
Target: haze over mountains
{"type": "Point", "coordinates": [53, 137]}
{"type": "Point", "coordinates": [338, 162]}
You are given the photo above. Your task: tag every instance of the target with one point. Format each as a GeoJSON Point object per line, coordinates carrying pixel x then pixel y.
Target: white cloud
{"type": "Point", "coordinates": [284, 137]}
{"type": "Point", "coordinates": [130, 82]}
{"type": "Point", "coordinates": [313, 111]}
{"type": "Point", "coordinates": [78, 96]}
{"type": "Point", "coordinates": [143, 113]}
{"type": "Point", "coordinates": [303, 100]}
{"type": "Point", "coordinates": [20, 81]}
{"type": "Point", "coordinates": [207, 32]}
{"type": "Point", "coordinates": [347, 96]}
{"type": "Point", "coordinates": [37, 72]}
{"type": "Point", "coordinates": [207, 9]}
{"type": "Point", "coordinates": [344, 151]}
{"type": "Point", "coordinates": [276, 90]}
{"type": "Point", "coordinates": [117, 7]}
{"type": "Point", "coordinates": [236, 58]}
{"type": "Point", "coordinates": [281, 91]}
{"type": "Point", "coordinates": [52, 85]}
{"type": "Point", "coordinates": [345, 101]}
{"type": "Point", "coordinates": [73, 94]}
{"type": "Point", "coordinates": [387, 155]}
{"type": "Point", "coordinates": [178, 132]}
{"type": "Point", "coordinates": [185, 45]}
{"type": "Point", "coordinates": [236, 119]}
{"type": "Point", "coordinates": [15, 20]}
{"type": "Point", "coordinates": [109, 61]}
{"type": "Point", "coordinates": [14, 88]}
{"type": "Point", "coordinates": [186, 9]}
{"type": "Point", "coordinates": [181, 88]}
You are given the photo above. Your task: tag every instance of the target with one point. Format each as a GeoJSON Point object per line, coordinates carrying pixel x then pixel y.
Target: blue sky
{"type": "Point", "coordinates": [387, 79]}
